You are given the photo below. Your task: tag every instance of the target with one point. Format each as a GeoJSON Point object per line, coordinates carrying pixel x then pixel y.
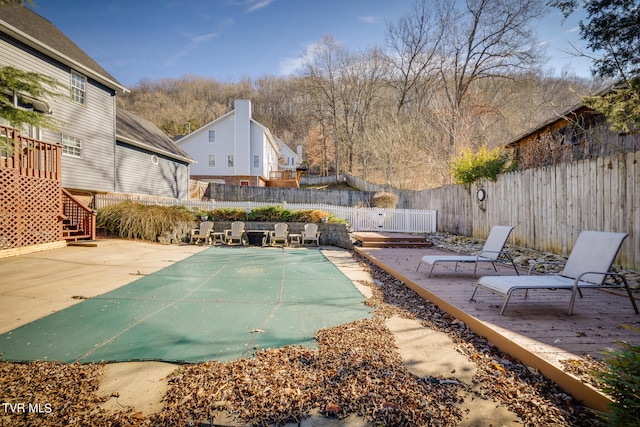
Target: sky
{"type": "Point", "coordinates": [229, 40]}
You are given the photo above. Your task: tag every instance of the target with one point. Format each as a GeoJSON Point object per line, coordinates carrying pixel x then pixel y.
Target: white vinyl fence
{"type": "Point", "coordinates": [361, 219]}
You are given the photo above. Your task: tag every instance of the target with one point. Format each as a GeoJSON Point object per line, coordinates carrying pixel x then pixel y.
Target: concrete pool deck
{"type": "Point", "coordinates": [37, 284]}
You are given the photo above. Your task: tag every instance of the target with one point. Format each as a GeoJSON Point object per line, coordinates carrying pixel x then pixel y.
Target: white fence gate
{"type": "Point", "coordinates": [361, 219]}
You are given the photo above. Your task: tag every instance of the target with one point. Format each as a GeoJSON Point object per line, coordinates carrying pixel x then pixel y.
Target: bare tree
{"type": "Point", "coordinates": [321, 83]}
{"type": "Point", "coordinates": [485, 39]}
{"type": "Point", "coordinates": [411, 51]}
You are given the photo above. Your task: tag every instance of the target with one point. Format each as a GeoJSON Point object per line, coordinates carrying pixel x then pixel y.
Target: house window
{"type": "Point", "coordinates": [256, 161]}
{"type": "Point", "coordinates": [212, 160]}
{"type": "Point", "coordinates": [212, 136]}
{"type": "Point", "coordinates": [230, 160]}
{"type": "Point", "coordinates": [71, 146]}
{"type": "Point", "coordinates": [244, 183]}
{"type": "Point", "coordinates": [78, 87]}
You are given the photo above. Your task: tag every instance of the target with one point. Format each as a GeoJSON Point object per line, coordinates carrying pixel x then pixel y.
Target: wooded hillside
{"type": "Point", "coordinates": [394, 114]}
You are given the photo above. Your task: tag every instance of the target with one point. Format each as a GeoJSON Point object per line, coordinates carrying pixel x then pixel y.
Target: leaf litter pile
{"type": "Point", "coordinates": [356, 370]}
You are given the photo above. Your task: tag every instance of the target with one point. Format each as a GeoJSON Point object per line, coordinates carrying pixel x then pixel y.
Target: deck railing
{"type": "Point", "coordinates": [283, 175]}
{"type": "Point", "coordinates": [29, 156]}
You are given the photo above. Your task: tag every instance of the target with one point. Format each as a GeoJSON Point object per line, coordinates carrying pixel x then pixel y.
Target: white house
{"type": "Point", "coordinates": [289, 159]}
{"type": "Point", "coordinates": [233, 149]}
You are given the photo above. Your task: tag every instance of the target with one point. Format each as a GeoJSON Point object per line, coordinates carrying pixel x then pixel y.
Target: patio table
{"type": "Point", "coordinates": [257, 237]}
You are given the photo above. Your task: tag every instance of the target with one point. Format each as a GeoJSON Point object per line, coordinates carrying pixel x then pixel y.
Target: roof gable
{"type": "Point", "coordinates": [563, 116]}
{"type": "Point", "coordinates": [205, 127]}
{"type": "Point", "coordinates": [28, 27]}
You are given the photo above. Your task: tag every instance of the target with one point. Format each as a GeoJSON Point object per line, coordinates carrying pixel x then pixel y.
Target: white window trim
{"type": "Point", "coordinates": [81, 90]}
{"type": "Point", "coordinates": [212, 133]}
{"type": "Point", "coordinates": [77, 146]}
{"type": "Point", "coordinates": [214, 160]}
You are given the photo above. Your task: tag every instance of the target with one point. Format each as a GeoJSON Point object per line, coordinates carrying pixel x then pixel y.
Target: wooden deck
{"type": "Point", "coordinates": [373, 239]}
{"type": "Point", "coordinates": [536, 330]}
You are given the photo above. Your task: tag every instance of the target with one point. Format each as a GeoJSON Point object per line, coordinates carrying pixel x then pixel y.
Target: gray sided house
{"type": "Point", "coordinates": [86, 111]}
{"type": "Point", "coordinates": [147, 160]}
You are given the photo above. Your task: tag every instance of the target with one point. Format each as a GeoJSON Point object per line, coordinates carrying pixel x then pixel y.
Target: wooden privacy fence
{"type": "Point", "coordinates": [360, 219]}
{"type": "Point", "coordinates": [238, 193]}
{"type": "Point", "coordinates": [548, 206]}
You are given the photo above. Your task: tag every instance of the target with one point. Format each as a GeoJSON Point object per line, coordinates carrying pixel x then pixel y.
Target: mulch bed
{"type": "Point", "coordinates": [355, 370]}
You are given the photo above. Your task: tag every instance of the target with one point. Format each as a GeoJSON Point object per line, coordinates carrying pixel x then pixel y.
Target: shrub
{"type": "Point", "coordinates": [470, 166]}
{"type": "Point", "coordinates": [227, 214]}
{"type": "Point", "coordinates": [316, 215]}
{"type": "Point", "coordinates": [137, 221]}
{"type": "Point", "coordinates": [270, 214]}
{"type": "Point", "coordinates": [621, 381]}
{"type": "Point", "coordinates": [385, 199]}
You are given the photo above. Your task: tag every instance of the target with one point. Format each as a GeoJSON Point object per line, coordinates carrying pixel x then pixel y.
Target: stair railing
{"type": "Point", "coordinates": [78, 214]}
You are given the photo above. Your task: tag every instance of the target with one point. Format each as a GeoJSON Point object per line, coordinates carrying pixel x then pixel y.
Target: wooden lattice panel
{"type": "Point", "coordinates": [30, 209]}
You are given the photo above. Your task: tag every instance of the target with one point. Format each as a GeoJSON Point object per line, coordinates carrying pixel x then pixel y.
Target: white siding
{"type": "Point", "coordinates": [199, 148]}
{"type": "Point", "coordinates": [237, 134]}
{"type": "Point", "coordinates": [244, 137]}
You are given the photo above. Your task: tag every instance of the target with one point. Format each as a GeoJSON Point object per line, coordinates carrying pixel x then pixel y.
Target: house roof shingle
{"type": "Point", "coordinates": [135, 130]}
{"type": "Point", "coordinates": [28, 27]}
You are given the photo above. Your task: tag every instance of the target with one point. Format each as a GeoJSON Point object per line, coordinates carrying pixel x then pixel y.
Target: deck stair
{"type": "Point", "coordinates": [71, 232]}
{"type": "Point", "coordinates": [391, 240]}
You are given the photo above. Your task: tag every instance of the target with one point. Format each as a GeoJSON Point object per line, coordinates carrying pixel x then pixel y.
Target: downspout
{"type": "Point", "coordinates": [115, 125]}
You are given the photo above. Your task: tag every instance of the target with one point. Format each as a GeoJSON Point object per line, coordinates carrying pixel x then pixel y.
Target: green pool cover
{"type": "Point", "coordinates": [220, 304]}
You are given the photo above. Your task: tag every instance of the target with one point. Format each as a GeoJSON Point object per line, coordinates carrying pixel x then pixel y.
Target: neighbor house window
{"type": "Point", "coordinates": [212, 160]}
{"type": "Point", "coordinates": [256, 161]}
{"type": "Point", "coordinates": [78, 87]}
{"type": "Point", "coordinates": [71, 146]}
{"type": "Point", "coordinates": [230, 160]}
{"type": "Point", "coordinates": [212, 136]}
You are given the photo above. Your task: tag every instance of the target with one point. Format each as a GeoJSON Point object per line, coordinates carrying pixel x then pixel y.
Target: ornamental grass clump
{"type": "Point", "coordinates": [384, 199]}
{"type": "Point", "coordinates": [133, 220]}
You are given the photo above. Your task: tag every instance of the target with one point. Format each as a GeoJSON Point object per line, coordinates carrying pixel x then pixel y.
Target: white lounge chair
{"type": "Point", "coordinates": [493, 248]}
{"type": "Point", "coordinates": [311, 234]}
{"type": "Point", "coordinates": [203, 233]}
{"type": "Point", "coordinates": [236, 234]}
{"type": "Point", "coordinates": [588, 266]}
{"type": "Point", "coordinates": [279, 234]}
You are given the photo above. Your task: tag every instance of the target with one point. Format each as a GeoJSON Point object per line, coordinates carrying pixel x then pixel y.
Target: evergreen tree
{"type": "Point", "coordinates": [18, 90]}
{"type": "Point", "coordinates": [612, 32]}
